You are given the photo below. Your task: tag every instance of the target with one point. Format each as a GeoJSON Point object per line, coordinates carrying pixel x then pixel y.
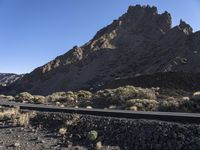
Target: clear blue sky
{"type": "Point", "coordinates": [33, 32]}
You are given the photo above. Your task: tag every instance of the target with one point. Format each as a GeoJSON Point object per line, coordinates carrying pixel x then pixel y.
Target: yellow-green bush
{"type": "Point", "coordinates": [83, 95]}
{"type": "Point", "coordinates": [120, 95]}
{"type": "Point", "coordinates": [142, 104]}
{"type": "Point", "coordinates": [179, 105]}
{"type": "Point", "coordinates": [24, 96]}
{"type": "Point", "coordinates": [196, 96]}
{"type": "Point", "coordinates": [5, 97]}
{"type": "Point", "coordinates": [168, 105]}
{"type": "Point", "coordinates": [38, 99]}
{"type": "Point", "coordinates": [8, 113]}
{"type": "Point", "coordinates": [61, 97]}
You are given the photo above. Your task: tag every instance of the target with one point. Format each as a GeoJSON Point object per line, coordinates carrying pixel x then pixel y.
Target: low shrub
{"type": "Point", "coordinates": [15, 116]}
{"type": "Point", "coordinates": [24, 96]}
{"type": "Point", "coordinates": [169, 106]}
{"type": "Point", "coordinates": [5, 97]}
{"type": "Point", "coordinates": [23, 119]}
{"type": "Point", "coordinates": [83, 95]}
{"type": "Point", "coordinates": [37, 99]}
{"type": "Point", "coordinates": [142, 104]}
{"type": "Point", "coordinates": [61, 97]}
{"type": "Point", "coordinates": [120, 95]}
{"type": "Point", "coordinates": [8, 113]}
{"type": "Point", "coordinates": [196, 96]}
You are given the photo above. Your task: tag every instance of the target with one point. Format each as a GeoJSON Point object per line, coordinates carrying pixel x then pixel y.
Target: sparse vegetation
{"type": "Point", "coordinates": [127, 97]}
{"type": "Point", "coordinates": [83, 95]}
{"type": "Point", "coordinates": [69, 96]}
{"type": "Point", "coordinates": [98, 145]}
{"type": "Point", "coordinates": [196, 96]}
{"type": "Point", "coordinates": [37, 99]}
{"type": "Point", "coordinates": [23, 119]}
{"type": "Point", "coordinates": [24, 96]}
{"type": "Point", "coordinates": [8, 113]}
{"type": "Point", "coordinates": [15, 116]}
{"type": "Point", "coordinates": [92, 135]}
{"type": "Point", "coordinates": [142, 104]}
{"type": "Point", "coordinates": [180, 105]}
{"type": "Point", "coordinates": [5, 97]}
{"type": "Point", "coordinates": [93, 131]}
{"type": "Point", "coordinates": [120, 96]}
{"type": "Point", "coordinates": [62, 131]}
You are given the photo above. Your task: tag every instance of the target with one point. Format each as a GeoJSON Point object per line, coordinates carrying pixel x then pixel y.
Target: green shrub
{"type": "Point", "coordinates": [61, 97]}
{"type": "Point", "coordinates": [24, 96]}
{"type": "Point", "coordinates": [196, 96]}
{"type": "Point", "coordinates": [5, 97]}
{"type": "Point", "coordinates": [168, 106]}
{"type": "Point", "coordinates": [178, 105]}
{"type": "Point", "coordinates": [38, 99]}
{"type": "Point", "coordinates": [142, 104]}
{"type": "Point", "coordinates": [120, 95]}
{"type": "Point", "coordinates": [83, 95]}
{"type": "Point", "coordinates": [92, 135]}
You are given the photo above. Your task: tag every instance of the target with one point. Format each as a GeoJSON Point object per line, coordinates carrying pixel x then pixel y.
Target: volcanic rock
{"type": "Point", "coordinates": [140, 42]}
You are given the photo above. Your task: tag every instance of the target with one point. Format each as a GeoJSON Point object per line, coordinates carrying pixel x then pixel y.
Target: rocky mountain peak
{"type": "Point", "coordinates": [140, 42]}
{"type": "Point", "coordinates": [121, 33]}
{"type": "Point", "coordinates": [138, 8]}
{"type": "Point", "coordinates": [146, 16]}
{"type": "Point", "coordinates": [137, 20]}
{"type": "Point", "coordinates": [186, 28]}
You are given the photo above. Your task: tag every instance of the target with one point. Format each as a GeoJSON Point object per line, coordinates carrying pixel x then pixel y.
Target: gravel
{"type": "Point", "coordinates": [107, 133]}
{"type": "Point", "coordinates": [127, 134]}
{"type": "Point", "coordinates": [20, 138]}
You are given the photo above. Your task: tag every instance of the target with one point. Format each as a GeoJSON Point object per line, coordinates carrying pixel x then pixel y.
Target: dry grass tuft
{"type": "Point", "coordinates": [8, 113]}
{"type": "Point", "coordinates": [62, 131]}
{"type": "Point", "coordinates": [24, 118]}
{"type": "Point", "coordinates": [196, 96]}
{"type": "Point", "coordinates": [15, 116]}
{"type": "Point", "coordinates": [75, 118]}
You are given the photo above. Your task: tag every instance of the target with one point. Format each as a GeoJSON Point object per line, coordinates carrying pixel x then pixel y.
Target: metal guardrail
{"type": "Point", "coordinates": [149, 115]}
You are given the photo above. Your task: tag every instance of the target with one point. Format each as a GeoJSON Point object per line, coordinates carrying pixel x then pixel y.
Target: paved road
{"type": "Point", "coordinates": [163, 116]}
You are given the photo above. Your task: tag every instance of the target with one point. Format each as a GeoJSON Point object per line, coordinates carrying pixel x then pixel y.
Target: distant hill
{"type": "Point", "coordinates": [8, 78]}
{"type": "Point", "coordinates": [140, 42]}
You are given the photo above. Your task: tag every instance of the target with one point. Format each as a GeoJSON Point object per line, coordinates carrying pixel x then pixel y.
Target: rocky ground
{"type": "Point", "coordinates": [73, 131]}
{"type": "Point", "coordinates": [127, 134]}
{"type": "Point", "coordinates": [21, 138]}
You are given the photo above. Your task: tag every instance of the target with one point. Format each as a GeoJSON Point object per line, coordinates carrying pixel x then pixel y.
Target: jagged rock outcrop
{"type": "Point", "coordinates": [140, 42]}
{"type": "Point", "coordinates": [8, 78]}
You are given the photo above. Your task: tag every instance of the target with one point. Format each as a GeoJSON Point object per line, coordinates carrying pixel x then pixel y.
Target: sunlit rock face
{"type": "Point", "coordinates": [7, 78]}
{"type": "Point", "coordinates": [140, 42]}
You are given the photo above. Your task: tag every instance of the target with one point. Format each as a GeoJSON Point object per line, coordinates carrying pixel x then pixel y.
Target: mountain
{"type": "Point", "coordinates": [8, 78]}
{"type": "Point", "coordinates": [139, 43]}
